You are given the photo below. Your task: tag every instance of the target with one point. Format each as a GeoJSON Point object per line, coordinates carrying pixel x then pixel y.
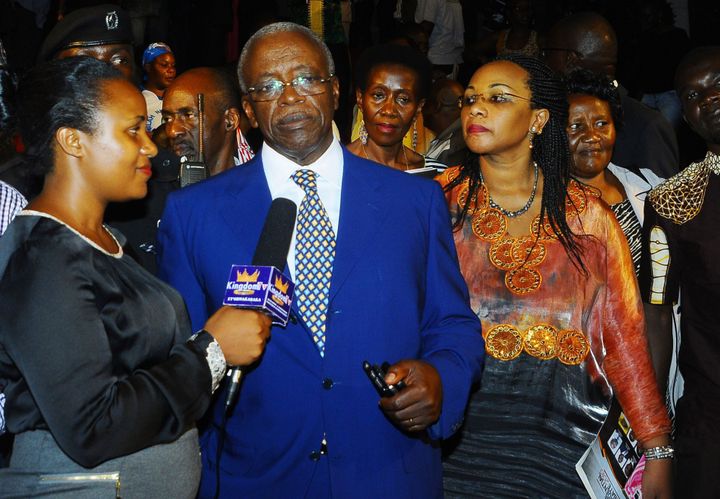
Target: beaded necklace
{"type": "Point", "coordinates": [519, 257]}
{"type": "Point", "coordinates": [516, 213]}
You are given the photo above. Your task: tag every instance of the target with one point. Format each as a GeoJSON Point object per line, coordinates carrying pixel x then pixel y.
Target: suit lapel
{"type": "Point", "coordinates": [247, 202]}
{"type": "Point", "coordinates": [243, 207]}
{"type": "Point", "coordinates": [361, 215]}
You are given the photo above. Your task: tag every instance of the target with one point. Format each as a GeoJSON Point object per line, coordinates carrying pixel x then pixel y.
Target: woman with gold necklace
{"type": "Point", "coordinates": [551, 278]}
{"type": "Point", "coordinates": [392, 82]}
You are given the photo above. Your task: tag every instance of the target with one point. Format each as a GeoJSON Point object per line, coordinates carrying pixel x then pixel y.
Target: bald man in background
{"type": "Point", "coordinates": [224, 122]}
{"type": "Point", "coordinates": [223, 116]}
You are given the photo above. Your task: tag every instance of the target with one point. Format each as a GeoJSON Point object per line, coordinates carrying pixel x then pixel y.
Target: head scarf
{"type": "Point", "coordinates": [153, 51]}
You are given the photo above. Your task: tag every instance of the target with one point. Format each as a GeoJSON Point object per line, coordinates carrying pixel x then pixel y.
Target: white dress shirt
{"type": "Point", "coordinates": [329, 171]}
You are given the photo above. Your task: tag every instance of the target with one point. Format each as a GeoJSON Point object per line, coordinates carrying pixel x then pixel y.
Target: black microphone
{"type": "Point", "coordinates": [274, 243]}
{"type": "Point", "coordinates": [271, 251]}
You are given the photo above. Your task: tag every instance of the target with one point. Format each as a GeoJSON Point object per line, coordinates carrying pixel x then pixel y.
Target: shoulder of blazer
{"type": "Point", "coordinates": [230, 182]}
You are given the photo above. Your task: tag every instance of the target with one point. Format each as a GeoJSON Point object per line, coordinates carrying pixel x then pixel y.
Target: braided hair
{"type": "Point", "coordinates": [550, 151]}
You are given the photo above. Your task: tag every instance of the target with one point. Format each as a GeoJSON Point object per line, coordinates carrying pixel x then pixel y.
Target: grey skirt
{"type": "Point", "coordinates": [39, 468]}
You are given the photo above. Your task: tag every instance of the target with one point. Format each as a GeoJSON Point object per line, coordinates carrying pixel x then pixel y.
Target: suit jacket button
{"type": "Point", "coordinates": [327, 383]}
{"type": "Point", "coordinates": [315, 455]}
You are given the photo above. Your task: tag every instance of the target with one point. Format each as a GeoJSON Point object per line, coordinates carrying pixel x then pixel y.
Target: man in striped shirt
{"type": "Point", "coordinates": [11, 202]}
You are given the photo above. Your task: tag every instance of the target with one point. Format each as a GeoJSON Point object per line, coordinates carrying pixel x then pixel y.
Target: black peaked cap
{"type": "Point", "coordinates": [89, 27]}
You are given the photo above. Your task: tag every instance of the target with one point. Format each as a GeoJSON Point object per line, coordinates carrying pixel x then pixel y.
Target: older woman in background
{"type": "Point", "coordinates": [392, 82]}
{"type": "Point", "coordinates": [594, 114]}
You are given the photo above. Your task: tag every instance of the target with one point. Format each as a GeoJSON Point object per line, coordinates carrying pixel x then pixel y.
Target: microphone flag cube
{"type": "Point", "coordinates": [260, 287]}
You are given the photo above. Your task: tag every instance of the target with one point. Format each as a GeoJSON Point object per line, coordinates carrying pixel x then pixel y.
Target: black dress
{"type": "Point", "coordinates": [92, 351]}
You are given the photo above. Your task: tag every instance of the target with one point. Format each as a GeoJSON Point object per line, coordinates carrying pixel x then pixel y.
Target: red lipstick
{"type": "Point", "coordinates": [476, 129]}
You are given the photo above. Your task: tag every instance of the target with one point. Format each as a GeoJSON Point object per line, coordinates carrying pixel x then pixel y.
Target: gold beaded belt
{"type": "Point", "coordinates": [545, 342]}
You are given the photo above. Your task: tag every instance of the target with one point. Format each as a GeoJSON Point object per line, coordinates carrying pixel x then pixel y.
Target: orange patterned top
{"type": "Point", "coordinates": [533, 301]}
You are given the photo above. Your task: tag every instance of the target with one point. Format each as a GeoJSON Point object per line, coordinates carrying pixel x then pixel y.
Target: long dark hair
{"type": "Point", "coordinates": [550, 151]}
{"type": "Point", "coordinates": [8, 121]}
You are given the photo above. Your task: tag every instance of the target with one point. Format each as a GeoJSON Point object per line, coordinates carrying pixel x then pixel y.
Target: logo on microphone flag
{"type": "Point", "coordinates": [261, 287]}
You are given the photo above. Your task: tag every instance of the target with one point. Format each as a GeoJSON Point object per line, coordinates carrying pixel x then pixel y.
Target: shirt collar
{"type": "Point", "coordinates": [328, 167]}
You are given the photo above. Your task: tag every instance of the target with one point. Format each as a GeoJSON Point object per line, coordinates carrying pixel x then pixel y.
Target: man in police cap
{"type": "Point", "coordinates": [102, 32]}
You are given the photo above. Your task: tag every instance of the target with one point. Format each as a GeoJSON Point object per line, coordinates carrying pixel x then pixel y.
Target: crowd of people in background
{"type": "Point", "coordinates": [512, 203]}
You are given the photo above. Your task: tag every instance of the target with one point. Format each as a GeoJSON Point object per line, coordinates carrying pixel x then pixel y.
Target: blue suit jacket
{"type": "Point", "coordinates": [396, 293]}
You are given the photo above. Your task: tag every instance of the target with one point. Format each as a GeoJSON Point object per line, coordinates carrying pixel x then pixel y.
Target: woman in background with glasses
{"type": "Point", "coordinates": [551, 278]}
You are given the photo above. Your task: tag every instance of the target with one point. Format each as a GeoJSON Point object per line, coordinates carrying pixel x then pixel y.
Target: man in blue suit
{"type": "Point", "coordinates": [308, 422]}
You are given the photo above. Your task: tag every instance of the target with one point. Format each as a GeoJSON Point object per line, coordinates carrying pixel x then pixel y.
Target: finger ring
{"type": "Point", "coordinates": [411, 420]}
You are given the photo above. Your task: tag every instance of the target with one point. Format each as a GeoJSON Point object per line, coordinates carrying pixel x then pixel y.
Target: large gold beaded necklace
{"type": "Point", "coordinates": [519, 257]}
{"type": "Point", "coordinates": [681, 197]}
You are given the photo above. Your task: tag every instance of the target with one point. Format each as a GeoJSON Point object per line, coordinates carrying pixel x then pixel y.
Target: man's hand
{"type": "Point", "coordinates": [418, 405]}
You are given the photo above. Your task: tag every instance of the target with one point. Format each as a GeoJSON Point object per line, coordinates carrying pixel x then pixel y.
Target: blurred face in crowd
{"type": "Point", "coordinates": [420, 40]}
{"type": "Point", "coordinates": [698, 86]}
{"type": "Point", "coordinates": [441, 110]}
{"type": "Point", "coordinates": [298, 122]}
{"type": "Point", "coordinates": [520, 12]}
{"type": "Point", "coordinates": [181, 116]}
{"type": "Point", "coordinates": [119, 55]}
{"type": "Point", "coordinates": [389, 103]}
{"type": "Point", "coordinates": [591, 135]}
{"type": "Point", "coordinates": [592, 47]}
{"type": "Point", "coordinates": [161, 71]}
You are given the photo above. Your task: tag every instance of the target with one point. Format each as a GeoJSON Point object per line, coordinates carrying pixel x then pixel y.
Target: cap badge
{"type": "Point", "coordinates": [111, 20]}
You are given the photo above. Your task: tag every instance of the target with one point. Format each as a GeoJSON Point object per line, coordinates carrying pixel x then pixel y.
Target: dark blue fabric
{"type": "Point", "coordinates": [396, 293]}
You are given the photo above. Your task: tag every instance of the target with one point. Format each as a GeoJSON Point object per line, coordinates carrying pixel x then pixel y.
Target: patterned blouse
{"type": "Point", "coordinates": [632, 229]}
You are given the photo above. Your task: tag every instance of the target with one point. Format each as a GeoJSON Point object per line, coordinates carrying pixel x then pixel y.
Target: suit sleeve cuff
{"type": "Point", "coordinates": [455, 394]}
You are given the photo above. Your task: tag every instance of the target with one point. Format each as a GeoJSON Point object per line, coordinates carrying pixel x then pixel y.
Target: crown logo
{"type": "Point", "coordinates": [245, 277]}
{"type": "Point", "coordinates": [281, 286]}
